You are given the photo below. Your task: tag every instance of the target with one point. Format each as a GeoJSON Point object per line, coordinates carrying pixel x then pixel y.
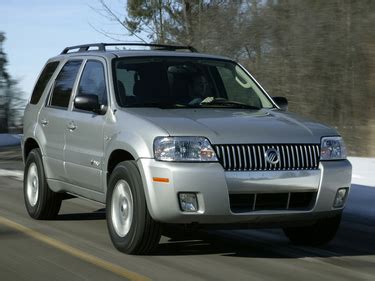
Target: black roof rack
{"type": "Point", "coordinates": [102, 47]}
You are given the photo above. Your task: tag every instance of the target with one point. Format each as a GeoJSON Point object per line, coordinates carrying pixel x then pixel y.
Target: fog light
{"type": "Point", "coordinates": [188, 202]}
{"type": "Point", "coordinates": [340, 197]}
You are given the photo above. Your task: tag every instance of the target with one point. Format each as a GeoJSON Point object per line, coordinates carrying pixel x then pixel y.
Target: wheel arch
{"type": "Point", "coordinates": [29, 145]}
{"type": "Point", "coordinates": [117, 156]}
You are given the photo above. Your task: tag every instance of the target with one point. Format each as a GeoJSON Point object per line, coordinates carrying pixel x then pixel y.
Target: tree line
{"type": "Point", "coordinates": [11, 101]}
{"type": "Point", "coordinates": [319, 54]}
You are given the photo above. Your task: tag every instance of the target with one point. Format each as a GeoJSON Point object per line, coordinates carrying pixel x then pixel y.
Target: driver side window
{"type": "Point", "coordinates": [93, 81]}
{"type": "Point", "coordinates": [237, 89]}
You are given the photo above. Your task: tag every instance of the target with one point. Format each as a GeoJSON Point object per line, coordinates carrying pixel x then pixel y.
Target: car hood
{"type": "Point", "coordinates": [229, 126]}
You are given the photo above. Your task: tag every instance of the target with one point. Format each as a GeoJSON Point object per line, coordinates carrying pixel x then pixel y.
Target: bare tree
{"type": "Point", "coordinates": [11, 101]}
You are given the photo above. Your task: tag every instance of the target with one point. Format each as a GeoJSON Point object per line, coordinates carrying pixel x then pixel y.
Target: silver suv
{"type": "Point", "coordinates": [168, 137]}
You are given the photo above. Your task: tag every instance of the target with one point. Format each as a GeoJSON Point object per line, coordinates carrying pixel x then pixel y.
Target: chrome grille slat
{"type": "Point", "coordinates": [224, 158]}
{"type": "Point", "coordinates": [249, 157]}
{"type": "Point", "coordinates": [260, 158]}
{"type": "Point", "coordinates": [308, 160]}
{"type": "Point", "coordinates": [244, 158]}
{"type": "Point", "coordinates": [311, 158]}
{"type": "Point", "coordinates": [267, 166]}
{"type": "Point", "coordinates": [284, 159]}
{"type": "Point", "coordinates": [293, 158]}
{"type": "Point", "coordinates": [234, 158]}
{"type": "Point", "coordinates": [229, 159]}
{"type": "Point", "coordinates": [239, 157]}
{"type": "Point", "coordinates": [255, 158]}
{"type": "Point", "coordinates": [217, 151]}
{"type": "Point", "coordinates": [314, 155]}
{"type": "Point", "coordinates": [278, 165]}
{"type": "Point", "coordinates": [297, 157]}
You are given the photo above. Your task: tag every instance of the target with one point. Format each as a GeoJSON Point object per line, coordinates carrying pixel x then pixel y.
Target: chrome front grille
{"type": "Point", "coordinates": [250, 157]}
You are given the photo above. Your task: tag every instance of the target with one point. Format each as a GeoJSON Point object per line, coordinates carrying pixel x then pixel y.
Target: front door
{"type": "Point", "coordinates": [84, 149]}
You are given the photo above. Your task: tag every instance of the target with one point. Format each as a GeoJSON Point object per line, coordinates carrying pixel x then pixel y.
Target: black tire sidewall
{"type": "Point", "coordinates": [128, 172]}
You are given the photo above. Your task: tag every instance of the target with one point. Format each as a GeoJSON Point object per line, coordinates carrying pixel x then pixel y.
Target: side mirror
{"type": "Point", "coordinates": [281, 102]}
{"type": "Point", "coordinates": [88, 103]}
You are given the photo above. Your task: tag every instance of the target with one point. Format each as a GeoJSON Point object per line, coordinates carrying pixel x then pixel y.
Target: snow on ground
{"type": "Point", "coordinates": [363, 171]}
{"type": "Point", "coordinates": [361, 200]}
{"type": "Point", "coordinates": [17, 174]}
{"type": "Point", "coordinates": [9, 140]}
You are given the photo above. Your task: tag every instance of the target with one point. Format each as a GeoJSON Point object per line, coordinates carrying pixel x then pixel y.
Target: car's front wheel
{"type": "Point", "coordinates": [321, 232]}
{"type": "Point", "coordinates": [131, 228]}
{"type": "Point", "coordinates": [40, 201]}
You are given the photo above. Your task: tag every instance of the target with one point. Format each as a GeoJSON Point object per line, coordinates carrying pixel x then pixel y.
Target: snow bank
{"type": "Point", "coordinates": [9, 140]}
{"type": "Point", "coordinates": [363, 171]}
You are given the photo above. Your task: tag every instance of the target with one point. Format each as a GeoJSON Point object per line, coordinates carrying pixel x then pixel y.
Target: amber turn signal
{"type": "Point", "coordinates": [166, 180]}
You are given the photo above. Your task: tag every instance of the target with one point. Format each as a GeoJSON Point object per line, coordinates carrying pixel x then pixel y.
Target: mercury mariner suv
{"type": "Point", "coordinates": [165, 136]}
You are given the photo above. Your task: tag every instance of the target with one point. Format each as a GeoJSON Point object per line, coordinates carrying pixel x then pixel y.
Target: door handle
{"type": "Point", "coordinates": [44, 122]}
{"type": "Point", "coordinates": [72, 126]}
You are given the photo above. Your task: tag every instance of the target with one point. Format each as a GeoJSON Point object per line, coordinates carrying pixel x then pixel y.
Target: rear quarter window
{"type": "Point", "coordinates": [43, 80]}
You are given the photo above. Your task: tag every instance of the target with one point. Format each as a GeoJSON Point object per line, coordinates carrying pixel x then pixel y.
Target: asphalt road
{"type": "Point", "coordinates": [76, 246]}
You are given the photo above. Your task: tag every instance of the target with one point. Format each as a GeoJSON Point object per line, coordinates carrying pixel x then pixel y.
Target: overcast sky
{"type": "Point", "coordinates": [39, 29]}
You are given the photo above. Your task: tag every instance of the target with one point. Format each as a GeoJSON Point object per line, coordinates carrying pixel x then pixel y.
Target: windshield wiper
{"type": "Point", "coordinates": [163, 105]}
{"type": "Point", "coordinates": [224, 102]}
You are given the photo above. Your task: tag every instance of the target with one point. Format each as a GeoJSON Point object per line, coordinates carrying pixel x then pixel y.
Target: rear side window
{"type": "Point", "coordinates": [43, 80]}
{"type": "Point", "coordinates": [93, 81]}
{"type": "Point", "coordinates": [64, 82]}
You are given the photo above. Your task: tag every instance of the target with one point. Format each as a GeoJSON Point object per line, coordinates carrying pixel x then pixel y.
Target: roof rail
{"type": "Point", "coordinates": [102, 47]}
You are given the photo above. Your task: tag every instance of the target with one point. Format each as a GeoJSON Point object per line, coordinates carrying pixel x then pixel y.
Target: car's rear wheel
{"type": "Point", "coordinates": [321, 232]}
{"type": "Point", "coordinates": [131, 228]}
{"type": "Point", "coordinates": [40, 201]}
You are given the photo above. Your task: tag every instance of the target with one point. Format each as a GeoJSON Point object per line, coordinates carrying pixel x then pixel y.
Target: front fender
{"type": "Point", "coordinates": [131, 143]}
{"type": "Point", "coordinates": [130, 133]}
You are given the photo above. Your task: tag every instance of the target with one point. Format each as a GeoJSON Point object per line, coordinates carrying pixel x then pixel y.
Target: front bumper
{"type": "Point", "coordinates": [213, 185]}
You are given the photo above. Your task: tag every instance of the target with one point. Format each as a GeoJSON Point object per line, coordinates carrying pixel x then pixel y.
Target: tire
{"type": "Point", "coordinates": [40, 201]}
{"type": "Point", "coordinates": [130, 226]}
{"type": "Point", "coordinates": [320, 233]}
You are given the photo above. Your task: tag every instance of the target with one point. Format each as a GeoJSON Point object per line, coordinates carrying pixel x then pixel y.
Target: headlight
{"type": "Point", "coordinates": [189, 149]}
{"type": "Point", "coordinates": [332, 148]}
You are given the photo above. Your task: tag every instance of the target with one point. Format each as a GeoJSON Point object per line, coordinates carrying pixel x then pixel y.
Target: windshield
{"type": "Point", "coordinates": [185, 82]}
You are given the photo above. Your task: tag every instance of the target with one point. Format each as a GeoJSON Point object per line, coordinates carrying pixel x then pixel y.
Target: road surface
{"type": "Point", "coordinates": [76, 246]}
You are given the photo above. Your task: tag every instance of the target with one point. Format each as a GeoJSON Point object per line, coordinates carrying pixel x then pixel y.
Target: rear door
{"type": "Point", "coordinates": [53, 119]}
{"type": "Point", "coordinates": [84, 151]}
